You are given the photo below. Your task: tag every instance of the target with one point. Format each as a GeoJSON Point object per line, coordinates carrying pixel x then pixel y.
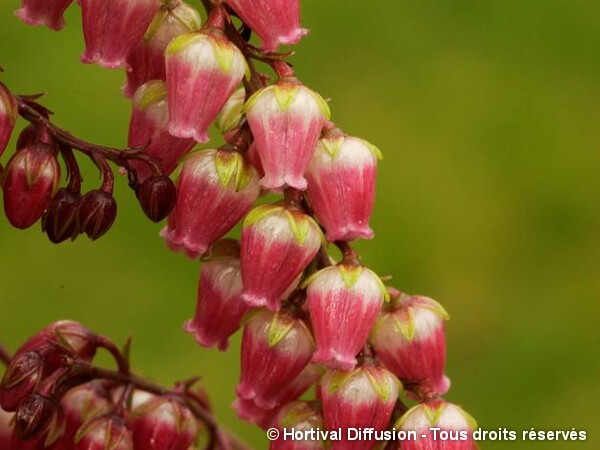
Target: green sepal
{"type": "Point", "coordinates": [432, 305]}
{"type": "Point", "coordinates": [259, 213]}
{"type": "Point", "coordinates": [153, 92]}
{"type": "Point", "coordinates": [190, 18]}
{"type": "Point", "coordinates": [469, 418]}
{"type": "Point", "coordinates": [280, 326]}
{"type": "Point", "coordinates": [373, 149]}
{"type": "Point", "coordinates": [230, 165]}
{"type": "Point", "coordinates": [225, 54]}
{"type": "Point", "coordinates": [300, 225]}
{"type": "Point", "coordinates": [338, 379]}
{"type": "Point", "coordinates": [323, 106]}
{"type": "Point", "coordinates": [434, 412]}
{"type": "Point", "coordinates": [350, 274]}
{"type": "Point", "coordinates": [183, 41]}
{"type": "Point", "coordinates": [285, 93]}
{"type": "Point", "coordinates": [381, 383]}
{"type": "Point", "coordinates": [314, 275]}
{"type": "Point", "coordinates": [250, 315]}
{"type": "Point", "coordinates": [254, 98]}
{"type": "Point", "coordinates": [156, 23]}
{"type": "Point", "coordinates": [332, 146]}
{"type": "Point", "coordinates": [404, 321]}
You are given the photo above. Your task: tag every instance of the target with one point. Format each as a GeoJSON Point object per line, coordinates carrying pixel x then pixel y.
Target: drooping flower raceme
{"type": "Point", "coordinates": [341, 186]}
{"type": "Point", "coordinates": [203, 70]}
{"type": "Point", "coordinates": [286, 120]}
{"type": "Point", "coordinates": [215, 190]}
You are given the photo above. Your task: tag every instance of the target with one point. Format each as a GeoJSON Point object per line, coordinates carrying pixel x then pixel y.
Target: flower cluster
{"type": "Point", "coordinates": [307, 318]}
{"type": "Point", "coordinates": [52, 397]}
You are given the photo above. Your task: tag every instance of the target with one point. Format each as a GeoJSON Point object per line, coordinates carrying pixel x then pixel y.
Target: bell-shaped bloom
{"type": "Point", "coordinates": [299, 416]}
{"type": "Point", "coordinates": [111, 28]}
{"type": "Point", "coordinates": [44, 12]}
{"type": "Point", "coordinates": [163, 423]}
{"type": "Point", "coordinates": [278, 243]}
{"type": "Point", "coordinates": [276, 347]}
{"type": "Point", "coordinates": [149, 127]}
{"type": "Point", "coordinates": [220, 308]}
{"type": "Point", "coordinates": [203, 70]}
{"type": "Point", "coordinates": [443, 416]}
{"type": "Point", "coordinates": [363, 398]}
{"type": "Point", "coordinates": [341, 186]}
{"type": "Point", "coordinates": [286, 121]}
{"type": "Point", "coordinates": [8, 116]}
{"type": "Point", "coordinates": [409, 339]}
{"type": "Point", "coordinates": [276, 22]}
{"type": "Point", "coordinates": [21, 378]}
{"type": "Point", "coordinates": [107, 431]}
{"type": "Point", "coordinates": [30, 181]}
{"type": "Point", "coordinates": [248, 411]}
{"type": "Point", "coordinates": [146, 61]}
{"type": "Point", "coordinates": [215, 190]}
{"type": "Point", "coordinates": [344, 302]}
{"type": "Point", "coordinates": [80, 405]}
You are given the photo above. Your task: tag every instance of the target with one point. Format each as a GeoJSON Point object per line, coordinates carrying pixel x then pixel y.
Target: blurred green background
{"type": "Point", "coordinates": [488, 114]}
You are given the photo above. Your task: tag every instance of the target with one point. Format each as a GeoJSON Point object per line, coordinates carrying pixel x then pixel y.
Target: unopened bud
{"type": "Point", "coordinates": [96, 214]}
{"type": "Point", "coordinates": [30, 180]}
{"type": "Point", "coordinates": [20, 379]}
{"type": "Point", "coordinates": [34, 416]}
{"type": "Point", "coordinates": [157, 196]}
{"type": "Point", "coordinates": [59, 221]}
{"type": "Point", "coordinates": [8, 116]}
{"type": "Point", "coordinates": [104, 432]}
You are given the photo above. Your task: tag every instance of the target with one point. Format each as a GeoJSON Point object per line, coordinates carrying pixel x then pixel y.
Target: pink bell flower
{"type": "Point", "coordinates": [344, 302]}
{"type": "Point", "coordinates": [286, 119]}
{"type": "Point", "coordinates": [363, 398]}
{"type": "Point", "coordinates": [220, 308]}
{"type": "Point", "coordinates": [341, 186]}
{"type": "Point", "coordinates": [149, 126]}
{"type": "Point", "coordinates": [300, 416]}
{"type": "Point", "coordinates": [276, 22]}
{"type": "Point", "coordinates": [409, 339]}
{"type": "Point", "coordinates": [276, 347]}
{"type": "Point", "coordinates": [43, 12]}
{"type": "Point", "coordinates": [111, 28]}
{"type": "Point", "coordinates": [146, 61]}
{"type": "Point", "coordinates": [215, 190]}
{"type": "Point", "coordinates": [446, 417]}
{"type": "Point", "coordinates": [203, 71]}
{"type": "Point", "coordinates": [278, 243]}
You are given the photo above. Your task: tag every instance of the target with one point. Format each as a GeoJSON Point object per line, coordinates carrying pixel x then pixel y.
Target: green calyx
{"type": "Point", "coordinates": [332, 146]}
{"type": "Point", "coordinates": [350, 274]}
{"type": "Point", "coordinates": [260, 212]}
{"type": "Point", "coordinates": [151, 93]}
{"type": "Point", "coordinates": [300, 224]}
{"type": "Point", "coordinates": [279, 328]}
{"type": "Point", "coordinates": [404, 322]}
{"type": "Point", "coordinates": [323, 106]}
{"type": "Point", "coordinates": [431, 304]}
{"type": "Point", "coordinates": [338, 379]}
{"type": "Point", "coordinates": [381, 382]}
{"type": "Point", "coordinates": [183, 41]}
{"type": "Point", "coordinates": [232, 170]}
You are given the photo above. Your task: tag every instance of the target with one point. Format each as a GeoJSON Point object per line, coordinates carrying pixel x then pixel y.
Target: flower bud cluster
{"type": "Point", "coordinates": [49, 400]}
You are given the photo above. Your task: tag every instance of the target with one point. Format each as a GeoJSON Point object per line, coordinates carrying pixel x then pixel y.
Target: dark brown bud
{"type": "Point", "coordinates": [20, 379]}
{"type": "Point", "coordinates": [157, 197]}
{"type": "Point", "coordinates": [34, 416]}
{"type": "Point", "coordinates": [59, 221]}
{"type": "Point", "coordinates": [96, 214]}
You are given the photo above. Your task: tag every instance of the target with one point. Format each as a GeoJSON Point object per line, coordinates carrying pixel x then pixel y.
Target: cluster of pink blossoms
{"type": "Point", "coordinates": [307, 319]}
